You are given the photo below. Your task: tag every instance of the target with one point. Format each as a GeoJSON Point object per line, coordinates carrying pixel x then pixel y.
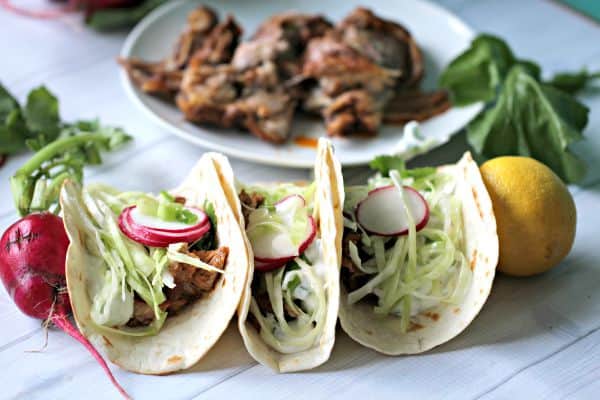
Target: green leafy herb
{"type": "Point", "coordinates": [62, 148]}
{"type": "Point", "coordinates": [13, 128]}
{"type": "Point", "coordinates": [209, 240]}
{"type": "Point", "coordinates": [36, 185]}
{"type": "Point", "coordinates": [41, 113]}
{"type": "Point", "coordinates": [293, 283]}
{"type": "Point", "coordinates": [476, 74]}
{"type": "Point", "coordinates": [293, 265]}
{"type": "Point", "coordinates": [384, 164]}
{"type": "Point", "coordinates": [109, 19]}
{"type": "Point", "coordinates": [38, 123]}
{"type": "Point", "coordinates": [523, 115]}
{"type": "Point", "coordinates": [534, 120]}
{"type": "Point", "coordinates": [573, 82]}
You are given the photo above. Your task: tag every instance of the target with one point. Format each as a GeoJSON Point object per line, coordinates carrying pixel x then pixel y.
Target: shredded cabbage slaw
{"type": "Point", "coordinates": [122, 267]}
{"type": "Point", "coordinates": [296, 292]}
{"type": "Point", "coordinates": [412, 273]}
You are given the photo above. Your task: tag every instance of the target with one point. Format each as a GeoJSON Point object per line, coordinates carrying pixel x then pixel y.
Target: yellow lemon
{"type": "Point", "coordinates": [534, 211]}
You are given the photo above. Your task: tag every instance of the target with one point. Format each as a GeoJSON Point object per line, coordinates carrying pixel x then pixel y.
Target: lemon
{"type": "Point", "coordinates": [535, 214]}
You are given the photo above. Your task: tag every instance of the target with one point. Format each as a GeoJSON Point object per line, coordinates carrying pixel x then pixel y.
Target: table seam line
{"type": "Point", "coordinates": [537, 362]}
{"type": "Point", "coordinates": [18, 340]}
{"type": "Point", "coordinates": [224, 379]}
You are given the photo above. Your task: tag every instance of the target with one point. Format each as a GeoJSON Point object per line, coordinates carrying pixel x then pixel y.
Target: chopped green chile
{"type": "Point", "coordinates": [166, 209]}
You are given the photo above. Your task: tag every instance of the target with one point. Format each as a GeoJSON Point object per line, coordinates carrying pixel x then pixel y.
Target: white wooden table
{"type": "Point", "coordinates": [535, 338]}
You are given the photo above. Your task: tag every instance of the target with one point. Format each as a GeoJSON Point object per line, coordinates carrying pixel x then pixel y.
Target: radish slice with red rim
{"type": "Point", "coordinates": [167, 226]}
{"type": "Point", "coordinates": [158, 238]}
{"type": "Point", "coordinates": [283, 239]}
{"type": "Point", "coordinates": [278, 247]}
{"type": "Point", "coordinates": [269, 266]}
{"type": "Point", "coordinates": [293, 198]}
{"type": "Point", "coordinates": [310, 237]}
{"type": "Point", "coordinates": [382, 212]}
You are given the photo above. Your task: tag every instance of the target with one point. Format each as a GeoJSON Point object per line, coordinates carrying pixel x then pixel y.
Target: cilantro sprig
{"type": "Point", "coordinates": [62, 148]}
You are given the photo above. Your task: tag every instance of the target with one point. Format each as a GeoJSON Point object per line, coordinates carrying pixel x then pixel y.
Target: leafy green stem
{"type": "Point", "coordinates": [58, 148]}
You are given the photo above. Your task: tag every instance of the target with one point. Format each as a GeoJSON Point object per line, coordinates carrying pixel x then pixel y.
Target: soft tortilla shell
{"type": "Point", "coordinates": [329, 200]}
{"type": "Point", "coordinates": [186, 337]}
{"type": "Point", "coordinates": [445, 322]}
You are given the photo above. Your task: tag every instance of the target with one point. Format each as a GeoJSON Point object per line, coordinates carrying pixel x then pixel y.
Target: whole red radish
{"type": "Point", "coordinates": [32, 267]}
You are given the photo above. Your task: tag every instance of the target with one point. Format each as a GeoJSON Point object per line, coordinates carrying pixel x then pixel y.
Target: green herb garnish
{"type": "Point", "coordinates": [384, 164]}
{"type": "Point", "coordinates": [209, 240]}
{"type": "Point", "coordinates": [38, 119]}
{"type": "Point", "coordinates": [293, 283]}
{"type": "Point", "coordinates": [534, 120]}
{"type": "Point", "coordinates": [574, 82]}
{"type": "Point", "coordinates": [523, 115]}
{"type": "Point", "coordinates": [36, 185]}
{"type": "Point", "coordinates": [166, 208]}
{"type": "Point", "coordinates": [62, 149]}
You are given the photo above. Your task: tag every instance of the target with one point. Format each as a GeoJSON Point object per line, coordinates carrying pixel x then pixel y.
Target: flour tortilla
{"type": "Point", "coordinates": [185, 338]}
{"type": "Point", "coordinates": [329, 200]}
{"type": "Point", "coordinates": [445, 321]}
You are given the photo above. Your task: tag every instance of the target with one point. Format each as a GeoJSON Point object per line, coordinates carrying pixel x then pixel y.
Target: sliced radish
{"type": "Point", "coordinates": [292, 199]}
{"type": "Point", "coordinates": [275, 247]}
{"type": "Point", "coordinates": [310, 237]}
{"type": "Point", "coordinates": [278, 247]}
{"type": "Point", "coordinates": [268, 266]}
{"type": "Point", "coordinates": [153, 237]}
{"type": "Point", "coordinates": [158, 224]}
{"type": "Point", "coordinates": [382, 213]}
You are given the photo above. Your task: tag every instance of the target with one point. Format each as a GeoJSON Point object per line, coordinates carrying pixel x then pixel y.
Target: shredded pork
{"type": "Point", "coordinates": [191, 284]}
{"type": "Point", "coordinates": [356, 74]}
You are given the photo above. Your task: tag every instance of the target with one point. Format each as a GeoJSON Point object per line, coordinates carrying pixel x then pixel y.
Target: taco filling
{"type": "Point", "coordinates": [403, 249]}
{"type": "Point", "coordinates": [289, 301]}
{"type": "Point", "coordinates": [154, 256]}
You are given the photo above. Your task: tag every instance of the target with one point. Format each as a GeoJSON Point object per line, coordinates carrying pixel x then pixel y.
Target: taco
{"type": "Point", "coordinates": [155, 280]}
{"type": "Point", "coordinates": [288, 312]}
{"type": "Point", "coordinates": [420, 250]}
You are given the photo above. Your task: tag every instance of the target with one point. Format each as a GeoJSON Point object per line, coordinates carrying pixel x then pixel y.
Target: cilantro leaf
{"type": "Point", "coordinates": [209, 240]}
{"type": "Point", "coordinates": [384, 164]}
{"type": "Point", "coordinates": [13, 130]}
{"type": "Point", "coordinates": [36, 185]}
{"type": "Point", "coordinates": [41, 113]}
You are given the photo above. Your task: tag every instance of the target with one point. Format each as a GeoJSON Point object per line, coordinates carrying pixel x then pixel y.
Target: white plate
{"type": "Point", "coordinates": [440, 34]}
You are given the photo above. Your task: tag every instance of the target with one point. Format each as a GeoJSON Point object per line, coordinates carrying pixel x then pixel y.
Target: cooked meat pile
{"type": "Point", "coordinates": [250, 202]}
{"type": "Point", "coordinates": [356, 74]}
{"type": "Point", "coordinates": [191, 283]}
{"type": "Point", "coordinates": [350, 275]}
{"type": "Point", "coordinates": [203, 41]}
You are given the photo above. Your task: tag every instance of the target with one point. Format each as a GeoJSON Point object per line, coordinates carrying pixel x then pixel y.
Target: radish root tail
{"type": "Point", "coordinates": [62, 322]}
{"type": "Point", "coordinates": [45, 326]}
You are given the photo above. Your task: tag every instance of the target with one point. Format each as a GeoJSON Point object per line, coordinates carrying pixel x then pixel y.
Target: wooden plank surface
{"type": "Point", "coordinates": [535, 338]}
